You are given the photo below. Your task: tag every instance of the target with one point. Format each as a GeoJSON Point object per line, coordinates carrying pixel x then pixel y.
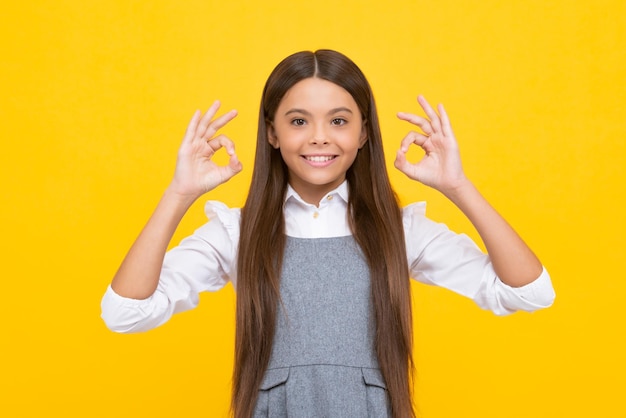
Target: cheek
{"type": "Point", "coordinates": [290, 140]}
{"type": "Point", "coordinates": [289, 151]}
{"type": "Point", "coordinates": [355, 139]}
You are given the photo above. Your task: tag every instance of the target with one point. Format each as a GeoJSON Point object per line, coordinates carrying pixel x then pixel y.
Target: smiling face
{"type": "Point", "coordinates": [318, 129]}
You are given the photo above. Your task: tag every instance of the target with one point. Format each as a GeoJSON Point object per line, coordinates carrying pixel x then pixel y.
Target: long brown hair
{"type": "Point", "coordinates": [375, 220]}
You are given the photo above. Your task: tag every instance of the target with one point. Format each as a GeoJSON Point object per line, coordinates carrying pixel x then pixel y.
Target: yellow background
{"type": "Point", "coordinates": [95, 99]}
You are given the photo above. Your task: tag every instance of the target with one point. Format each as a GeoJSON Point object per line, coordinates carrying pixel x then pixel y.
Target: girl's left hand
{"type": "Point", "coordinates": [440, 168]}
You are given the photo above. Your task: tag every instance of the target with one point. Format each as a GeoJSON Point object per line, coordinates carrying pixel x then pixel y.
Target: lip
{"type": "Point", "coordinates": [319, 160]}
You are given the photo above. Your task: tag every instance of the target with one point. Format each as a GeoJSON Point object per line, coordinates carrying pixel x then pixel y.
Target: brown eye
{"type": "Point", "coordinates": [339, 121]}
{"type": "Point", "coordinates": [298, 122]}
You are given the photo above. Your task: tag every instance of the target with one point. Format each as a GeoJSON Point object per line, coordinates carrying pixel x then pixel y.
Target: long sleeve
{"type": "Point", "coordinates": [204, 261]}
{"type": "Point", "coordinates": [438, 256]}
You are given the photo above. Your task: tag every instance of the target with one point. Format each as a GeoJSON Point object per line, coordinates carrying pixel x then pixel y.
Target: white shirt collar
{"type": "Point", "coordinates": [326, 220]}
{"type": "Point", "coordinates": [341, 191]}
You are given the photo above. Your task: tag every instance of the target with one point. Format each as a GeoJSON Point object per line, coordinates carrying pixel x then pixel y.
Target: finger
{"type": "Point", "coordinates": [445, 121]}
{"type": "Point", "coordinates": [430, 112]}
{"type": "Point", "coordinates": [205, 121]}
{"type": "Point", "coordinates": [423, 123]}
{"type": "Point", "coordinates": [192, 126]}
{"type": "Point", "coordinates": [219, 123]}
{"type": "Point", "coordinates": [402, 164]}
{"type": "Point", "coordinates": [228, 171]}
{"type": "Point", "coordinates": [413, 138]}
{"type": "Point", "coordinates": [234, 164]}
{"type": "Point", "coordinates": [400, 159]}
{"type": "Point", "coordinates": [222, 141]}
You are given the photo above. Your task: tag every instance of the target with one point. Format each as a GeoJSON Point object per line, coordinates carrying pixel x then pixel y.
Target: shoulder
{"type": "Point", "coordinates": [219, 210]}
{"type": "Point", "coordinates": [421, 232]}
{"type": "Point", "coordinates": [413, 214]}
{"type": "Point", "coordinates": [417, 208]}
{"type": "Point", "coordinates": [223, 217]}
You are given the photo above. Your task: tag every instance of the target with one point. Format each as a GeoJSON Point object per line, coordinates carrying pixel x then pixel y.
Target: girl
{"type": "Point", "coordinates": [321, 253]}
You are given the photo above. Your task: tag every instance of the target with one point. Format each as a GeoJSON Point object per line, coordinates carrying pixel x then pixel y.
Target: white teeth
{"type": "Point", "coordinates": [319, 158]}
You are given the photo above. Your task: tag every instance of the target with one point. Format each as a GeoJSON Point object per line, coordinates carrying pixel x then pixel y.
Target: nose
{"type": "Point", "coordinates": [320, 136]}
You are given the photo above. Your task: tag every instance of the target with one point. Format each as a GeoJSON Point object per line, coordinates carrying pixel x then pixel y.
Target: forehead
{"type": "Point", "coordinates": [316, 93]}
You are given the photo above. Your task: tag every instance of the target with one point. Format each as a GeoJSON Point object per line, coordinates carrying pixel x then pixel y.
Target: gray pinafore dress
{"type": "Point", "coordinates": [323, 362]}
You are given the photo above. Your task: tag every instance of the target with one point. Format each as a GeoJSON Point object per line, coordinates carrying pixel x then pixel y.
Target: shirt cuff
{"type": "Point", "coordinates": [122, 314]}
{"type": "Point", "coordinates": [504, 299]}
{"type": "Point", "coordinates": [540, 291]}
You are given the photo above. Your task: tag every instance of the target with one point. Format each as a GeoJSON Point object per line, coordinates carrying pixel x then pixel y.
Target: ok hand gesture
{"type": "Point", "coordinates": [195, 173]}
{"type": "Point", "coordinates": [440, 168]}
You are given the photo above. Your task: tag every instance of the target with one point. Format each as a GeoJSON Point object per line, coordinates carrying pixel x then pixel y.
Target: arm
{"type": "Point", "coordinates": [195, 174]}
{"type": "Point", "coordinates": [440, 168]}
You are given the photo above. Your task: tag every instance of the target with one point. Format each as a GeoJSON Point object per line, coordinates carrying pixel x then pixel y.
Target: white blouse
{"type": "Point", "coordinates": [206, 261]}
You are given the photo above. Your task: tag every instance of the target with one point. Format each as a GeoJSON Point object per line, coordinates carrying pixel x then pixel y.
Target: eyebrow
{"type": "Point", "coordinates": [307, 113]}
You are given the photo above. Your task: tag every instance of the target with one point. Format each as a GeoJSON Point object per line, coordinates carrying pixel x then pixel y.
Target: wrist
{"type": "Point", "coordinates": [179, 198]}
{"type": "Point", "coordinates": [461, 188]}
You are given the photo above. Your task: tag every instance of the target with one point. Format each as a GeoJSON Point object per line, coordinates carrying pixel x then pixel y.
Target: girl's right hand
{"type": "Point", "coordinates": [195, 173]}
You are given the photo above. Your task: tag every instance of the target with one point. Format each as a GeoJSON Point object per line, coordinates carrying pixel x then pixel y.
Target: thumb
{"type": "Point", "coordinates": [234, 164]}
{"type": "Point", "coordinates": [412, 171]}
{"type": "Point", "coordinates": [400, 163]}
{"type": "Point", "coordinates": [229, 171]}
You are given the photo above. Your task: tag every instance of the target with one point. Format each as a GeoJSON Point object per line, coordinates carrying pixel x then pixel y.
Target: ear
{"type": "Point", "coordinates": [271, 135]}
{"type": "Point", "coordinates": [363, 138]}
